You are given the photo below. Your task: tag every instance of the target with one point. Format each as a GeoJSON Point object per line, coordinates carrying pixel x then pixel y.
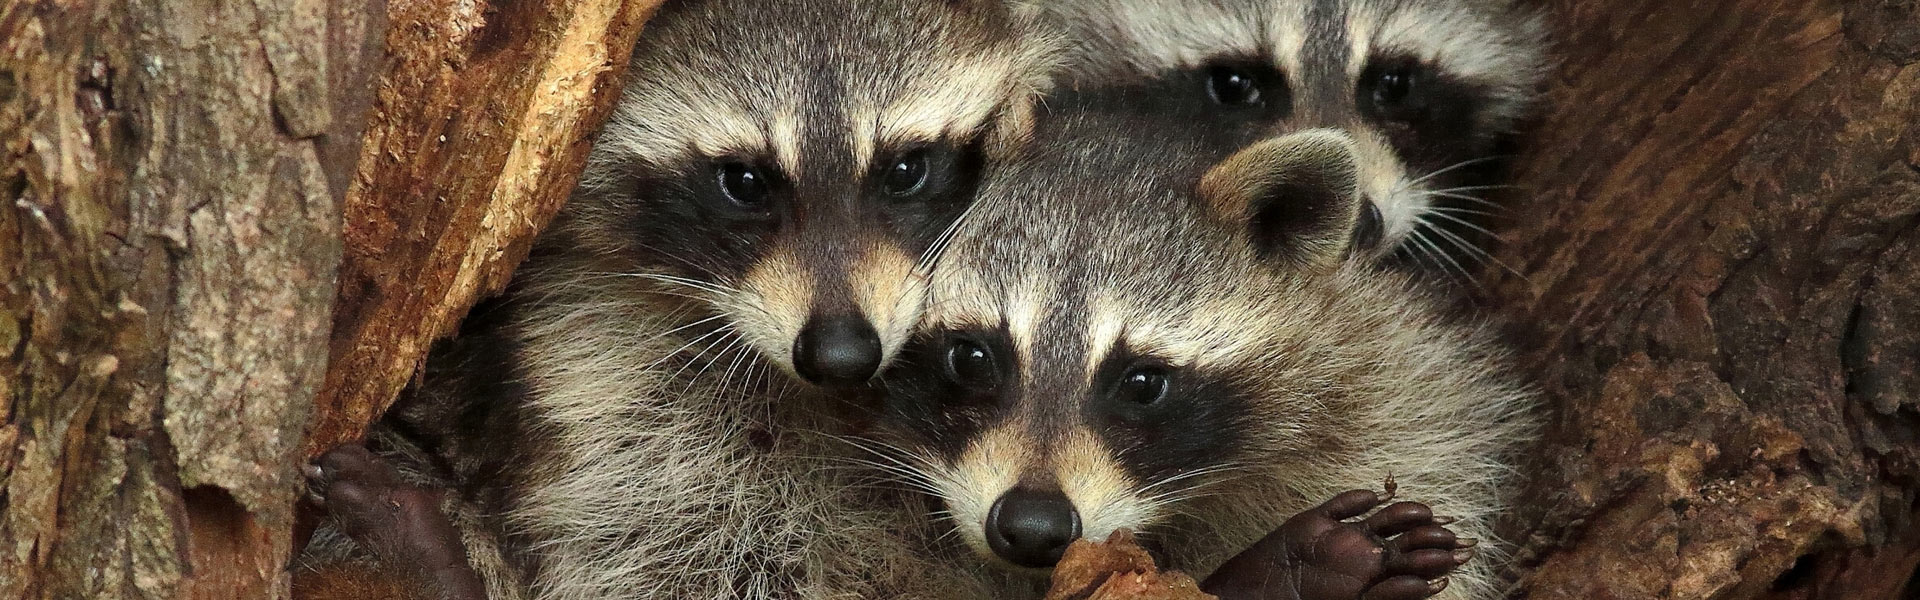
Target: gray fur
{"type": "Point", "coordinates": [1495, 46]}
{"type": "Point", "coordinates": [622, 427]}
{"type": "Point", "coordinates": [1100, 236]}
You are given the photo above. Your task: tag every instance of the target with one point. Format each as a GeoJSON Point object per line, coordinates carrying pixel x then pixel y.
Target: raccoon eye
{"type": "Point", "coordinates": [743, 185]}
{"type": "Point", "coordinates": [1369, 229]}
{"type": "Point", "coordinates": [1393, 89]}
{"type": "Point", "coordinates": [906, 176]}
{"type": "Point", "coordinates": [970, 364]}
{"type": "Point", "coordinates": [1142, 385]}
{"type": "Point", "coordinates": [1232, 86]}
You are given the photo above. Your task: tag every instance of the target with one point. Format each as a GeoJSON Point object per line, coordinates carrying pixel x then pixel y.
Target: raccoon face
{"type": "Point", "coordinates": [1028, 460]}
{"type": "Point", "coordinates": [1428, 89]}
{"type": "Point", "coordinates": [1096, 371]}
{"type": "Point", "coordinates": [789, 166]}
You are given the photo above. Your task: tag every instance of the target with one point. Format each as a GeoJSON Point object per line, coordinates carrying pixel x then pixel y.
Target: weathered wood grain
{"type": "Point", "coordinates": [1716, 274]}
{"type": "Point", "coordinates": [168, 248]}
{"type": "Point", "coordinates": [474, 141]}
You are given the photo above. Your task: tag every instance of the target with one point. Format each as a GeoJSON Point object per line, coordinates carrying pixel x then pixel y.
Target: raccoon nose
{"type": "Point", "coordinates": [1032, 528]}
{"type": "Point", "coordinates": [842, 350]}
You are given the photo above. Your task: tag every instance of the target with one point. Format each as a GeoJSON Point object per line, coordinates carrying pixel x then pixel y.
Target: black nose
{"type": "Point", "coordinates": [842, 350]}
{"type": "Point", "coordinates": [1032, 528]}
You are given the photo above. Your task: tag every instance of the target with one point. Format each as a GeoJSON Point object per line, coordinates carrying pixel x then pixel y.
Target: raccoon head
{"type": "Point", "coordinates": [1429, 89]}
{"type": "Point", "coordinates": [788, 166]}
{"type": "Point", "coordinates": [1106, 340]}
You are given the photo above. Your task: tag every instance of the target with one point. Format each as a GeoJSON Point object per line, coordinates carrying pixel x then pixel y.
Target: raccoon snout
{"type": "Point", "coordinates": [1032, 528]}
{"type": "Point", "coordinates": [841, 350]}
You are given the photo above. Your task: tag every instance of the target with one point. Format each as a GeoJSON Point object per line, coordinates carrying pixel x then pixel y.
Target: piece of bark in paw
{"type": "Point", "coordinates": [1117, 569]}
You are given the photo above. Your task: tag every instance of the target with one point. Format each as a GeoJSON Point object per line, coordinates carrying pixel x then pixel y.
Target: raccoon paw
{"type": "Point", "coordinates": [402, 525]}
{"type": "Point", "coordinates": [1401, 552]}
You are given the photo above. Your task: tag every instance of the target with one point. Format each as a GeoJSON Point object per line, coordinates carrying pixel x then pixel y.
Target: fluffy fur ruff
{"type": "Point", "coordinates": [705, 477]}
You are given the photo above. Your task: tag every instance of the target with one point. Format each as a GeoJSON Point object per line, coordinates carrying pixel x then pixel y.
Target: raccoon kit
{"type": "Point", "coordinates": [1429, 90]}
{"type": "Point", "coordinates": [646, 414]}
{"type": "Point", "coordinates": [1127, 336]}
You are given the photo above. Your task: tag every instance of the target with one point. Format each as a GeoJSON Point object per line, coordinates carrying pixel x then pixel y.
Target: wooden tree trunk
{"type": "Point", "coordinates": [475, 140]}
{"type": "Point", "coordinates": [1716, 273]}
{"type": "Point", "coordinates": [175, 172]}
{"type": "Point", "coordinates": [168, 247]}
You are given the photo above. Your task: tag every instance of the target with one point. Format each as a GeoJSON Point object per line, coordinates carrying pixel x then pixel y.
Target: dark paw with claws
{"type": "Point", "coordinates": [401, 524]}
{"type": "Point", "coordinates": [1402, 552]}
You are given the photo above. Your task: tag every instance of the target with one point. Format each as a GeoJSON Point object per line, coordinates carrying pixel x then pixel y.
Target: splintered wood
{"type": "Point", "coordinates": [1118, 569]}
{"type": "Point", "coordinates": [471, 146]}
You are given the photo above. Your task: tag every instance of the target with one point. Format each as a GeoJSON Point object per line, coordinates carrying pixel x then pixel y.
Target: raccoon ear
{"type": "Point", "coordinates": [1296, 195]}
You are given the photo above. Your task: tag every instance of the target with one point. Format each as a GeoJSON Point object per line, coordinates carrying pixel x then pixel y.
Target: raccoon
{"type": "Point", "coordinates": [1431, 92]}
{"type": "Point", "coordinates": [761, 210]}
{"type": "Point", "coordinates": [788, 164]}
{"type": "Point", "coordinates": [1127, 335]}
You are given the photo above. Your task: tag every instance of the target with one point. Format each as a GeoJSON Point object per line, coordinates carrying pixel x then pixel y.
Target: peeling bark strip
{"type": "Point", "coordinates": [476, 138]}
{"type": "Point", "coordinates": [168, 246]}
{"type": "Point", "coordinates": [1720, 242]}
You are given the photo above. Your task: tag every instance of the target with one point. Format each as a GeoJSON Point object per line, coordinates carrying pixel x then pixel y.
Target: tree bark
{"type": "Point", "coordinates": [169, 246]}
{"type": "Point", "coordinates": [475, 140]}
{"type": "Point", "coordinates": [1713, 268]}
{"type": "Point", "coordinates": [1715, 273]}
{"type": "Point", "coordinates": [176, 173]}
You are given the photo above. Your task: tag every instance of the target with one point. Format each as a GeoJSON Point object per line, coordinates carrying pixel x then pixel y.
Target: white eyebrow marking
{"type": "Point", "coordinates": [1105, 323]}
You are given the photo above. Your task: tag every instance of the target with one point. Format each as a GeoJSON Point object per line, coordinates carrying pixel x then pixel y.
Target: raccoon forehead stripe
{"type": "Point", "coordinates": [1463, 41]}
{"type": "Point", "coordinates": [1362, 25]}
{"type": "Point", "coordinates": [1107, 320]}
{"type": "Point", "coordinates": [784, 134]}
{"type": "Point", "coordinates": [1026, 308]}
{"type": "Point", "coordinates": [1287, 34]}
{"type": "Point", "coordinates": [863, 132]}
{"type": "Point", "coordinates": [957, 100]}
{"type": "Point", "coordinates": [658, 123]}
{"type": "Point", "coordinates": [1211, 332]}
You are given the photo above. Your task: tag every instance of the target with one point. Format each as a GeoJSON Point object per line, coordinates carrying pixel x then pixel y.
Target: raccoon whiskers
{"type": "Point", "coordinates": [727, 336]}
{"type": "Point", "coordinates": [704, 270]}
{"type": "Point", "coordinates": [1153, 502]}
{"type": "Point", "coordinates": [675, 330]}
{"type": "Point", "coordinates": [1449, 193]}
{"type": "Point", "coordinates": [1473, 251]}
{"type": "Point", "coordinates": [721, 331]}
{"type": "Point", "coordinates": [1435, 255]}
{"type": "Point", "coordinates": [1482, 188]}
{"type": "Point", "coordinates": [1219, 468]}
{"type": "Point", "coordinates": [953, 526]}
{"type": "Point", "coordinates": [892, 473]}
{"type": "Point", "coordinates": [914, 469]}
{"type": "Point", "coordinates": [1457, 210]}
{"type": "Point", "coordinates": [940, 243]}
{"type": "Point", "coordinates": [1465, 223]}
{"type": "Point", "coordinates": [1451, 168]}
{"type": "Point", "coordinates": [705, 286]}
{"type": "Point", "coordinates": [726, 375]}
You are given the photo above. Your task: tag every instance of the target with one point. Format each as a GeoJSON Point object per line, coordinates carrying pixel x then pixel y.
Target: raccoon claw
{"type": "Point", "coordinates": [1400, 552]}
{"type": "Point", "coordinates": [350, 480]}
{"type": "Point", "coordinates": [399, 523]}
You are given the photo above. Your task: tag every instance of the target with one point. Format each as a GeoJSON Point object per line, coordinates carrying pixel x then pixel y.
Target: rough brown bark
{"type": "Point", "coordinates": [1717, 276]}
{"type": "Point", "coordinates": [168, 247]}
{"type": "Point", "coordinates": [175, 175]}
{"type": "Point", "coordinates": [474, 142]}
